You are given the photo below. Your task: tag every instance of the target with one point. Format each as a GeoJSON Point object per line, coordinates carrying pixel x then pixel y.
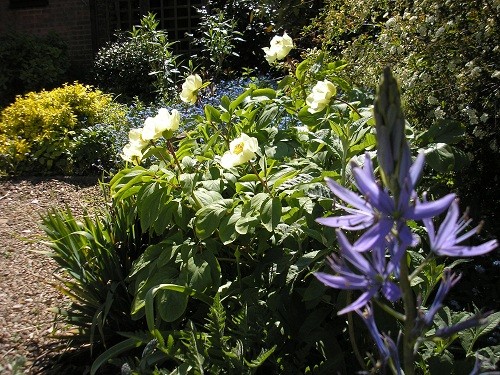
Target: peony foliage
{"type": "Point", "coordinates": [235, 220]}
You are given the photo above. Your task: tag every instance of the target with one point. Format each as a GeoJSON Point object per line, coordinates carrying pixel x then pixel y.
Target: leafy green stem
{"type": "Point", "coordinates": [172, 151]}
{"type": "Point", "coordinates": [390, 311]}
{"type": "Point", "coordinates": [262, 181]}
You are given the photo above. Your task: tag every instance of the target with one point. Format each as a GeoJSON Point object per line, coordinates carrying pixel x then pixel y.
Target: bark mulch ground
{"type": "Point", "coordinates": [26, 276]}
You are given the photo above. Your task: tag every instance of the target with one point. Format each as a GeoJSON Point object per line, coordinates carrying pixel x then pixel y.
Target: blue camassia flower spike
{"type": "Point", "coordinates": [446, 241]}
{"type": "Point", "coordinates": [374, 274]}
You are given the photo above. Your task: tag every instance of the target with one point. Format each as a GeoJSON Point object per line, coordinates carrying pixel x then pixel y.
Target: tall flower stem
{"type": "Point", "coordinates": [172, 151]}
{"type": "Point", "coordinates": [410, 314]}
{"type": "Point", "coordinates": [262, 181]}
{"type": "Point", "coordinates": [352, 337]}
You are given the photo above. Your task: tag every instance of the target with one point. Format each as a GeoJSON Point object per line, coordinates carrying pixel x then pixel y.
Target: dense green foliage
{"type": "Point", "coordinates": [203, 258]}
{"type": "Point", "coordinates": [139, 64]}
{"type": "Point", "coordinates": [43, 131]}
{"type": "Point", "coordinates": [448, 50]}
{"type": "Point", "coordinates": [30, 63]}
{"type": "Point", "coordinates": [219, 274]}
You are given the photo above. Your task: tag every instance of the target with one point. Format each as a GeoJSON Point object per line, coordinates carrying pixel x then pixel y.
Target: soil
{"type": "Point", "coordinates": [27, 279]}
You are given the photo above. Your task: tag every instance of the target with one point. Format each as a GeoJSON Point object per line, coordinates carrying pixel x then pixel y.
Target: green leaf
{"type": "Point", "coordinates": [184, 290]}
{"type": "Point", "coordinates": [114, 352]}
{"type": "Point", "coordinates": [310, 119]}
{"type": "Point", "coordinates": [227, 228]}
{"type": "Point", "coordinates": [440, 157]}
{"type": "Point", "coordinates": [207, 197]}
{"type": "Point", "coordinates": [151, 200]}
{"type": "Point", "coordinates": [469, 337]}
{"type": "Point", "coordinates": [225, 102]}
{"type": "Point", "coordinates": [249, 177]}
{"type": "Point", "coordinates": [246, 224]}
{"type": "Point", "coordinates": [443, 131]}
{"type": "Point", "coordinates": [236, 102]}
{"type": "Point", "coordinates": [270, 213]}
{"type": "Point", "coordinates": [257, 201]}
{"type": "Point", "coordinates": [301, 70]}
{"type": "Point", "coordinates": [171, 305]}
{"type": "Point", "coordinates": [212, 114]}
{"type": "Point", "coordinates": [145, 280]}
{"type": "Point", "coordinates": [267, 92]}
{"type": "Point", "coordinates": [203, 271]}
{"type": "Point", "coordinates": [123, 186]}
{"type": "Point", "coordinates": [208, 218]}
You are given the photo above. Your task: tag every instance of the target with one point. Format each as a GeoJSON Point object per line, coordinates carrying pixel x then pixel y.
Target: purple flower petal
{"type": "Point", "coordinates": [391, 291]}
{"type": "Point", "coordinates": [355, 258]}
{"type": "Point", "coordinates": [347, 195]}
{"type": "Point", "coordinates": [468, 251]}
{"type": "Point", "coordinates": [424, 210]}
{"type": "Point", "coordinates": [373, 192]}
{"type": "Point", "coordinates": [342, 282]}
{"type": "Point", "coordinates": [349, 222]}
{"type": "Point", "coordinates": [416, 169]}
{"type": "Point", "coordinates": [360, 302]}
{"type": "Point", "coordinates": [374, 236]}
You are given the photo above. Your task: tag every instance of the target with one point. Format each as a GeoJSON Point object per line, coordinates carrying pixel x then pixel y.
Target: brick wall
{"type": "Point", "coordinates": [68, 18]}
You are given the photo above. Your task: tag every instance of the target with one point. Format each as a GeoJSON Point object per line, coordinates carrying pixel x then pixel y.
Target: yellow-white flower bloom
{"type": "Point", "coordinates": [135, 138]}
{"type": "Point", "coordinates": [241, 150]}
{"type": "Point", "coordinates": [132, 153]}
{"type": "Point", "coordinates": [190, 88]}
{"type": "Point", "coordinates": [164, 120]}
{"type": "Point", "coordinates": [320, 96]}
{"type": "Point", "coordinates": [280, 47]}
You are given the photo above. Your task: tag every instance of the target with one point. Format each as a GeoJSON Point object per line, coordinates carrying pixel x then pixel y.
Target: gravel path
{"type": "Point", "coordinates": [26, 293]}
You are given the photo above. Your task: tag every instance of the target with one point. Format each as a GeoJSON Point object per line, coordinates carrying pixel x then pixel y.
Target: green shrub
{"type": "Point", "coordinates": [39, 131]}
{"type": "Point", "coordinates": [448, 50]}
{"type": "Point", "coordinates": [31, 63]}
{"type": "Point", "coordinates": [216, 37]}
{"type": "Point", "coordinates": [139, 63]}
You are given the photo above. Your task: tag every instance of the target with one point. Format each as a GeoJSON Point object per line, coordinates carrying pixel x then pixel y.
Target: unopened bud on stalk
{"type": "Point", "coordinates": [393, 150]}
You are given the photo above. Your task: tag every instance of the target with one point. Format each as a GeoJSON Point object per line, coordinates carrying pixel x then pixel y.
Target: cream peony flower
{"type": "Point", "coordinates": [241, 150]}
{"type": "Point", "coordinates": [190, 88]}
{"type": "Point", "coordinates": [320, 96]}
{"type": "Point", "coordinates": [132, 153]}
{"type": "Point", "coordinates": [155, 126]}
{"type": "Point", "coordinates": [280, 47]}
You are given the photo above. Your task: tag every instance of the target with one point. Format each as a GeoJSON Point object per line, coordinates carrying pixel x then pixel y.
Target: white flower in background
{"type": "Point", "coordinates": [135, 138]}
{"type": "Point", "coordinates": [432, 100]}
{"type": "Point", "coordinates": [190, 88]}
{"type": "Point", "coordinates": [241, 150]}
{"type": "Point", "coordinates": [439, 113]}
{"type": "Point", "coordinates": [320, 96]}
{"type": "Point", "coordinates": [390, 22]}
{"type": "Point", "coordinates": [132, 153]}
{"type": "Point", "coordinates": [280, 47]}
{"type": "Point", "coordinates": [164, 120]}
